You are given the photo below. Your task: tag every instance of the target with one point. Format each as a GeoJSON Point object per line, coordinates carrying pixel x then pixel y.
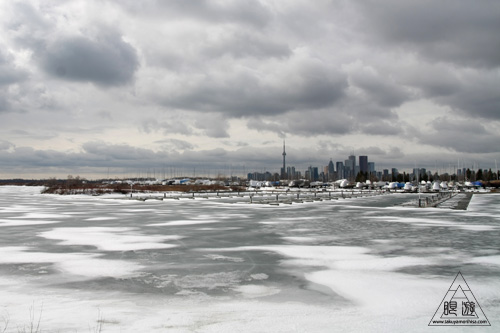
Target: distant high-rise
{"type": "Point", "coordinates": [290, 172]}
{"type": "Point", "coordinates": [363, 164]}
{"type": "Point", "coordinates": [331, 170]}
{"type": "Point", "coordinates": [313, 173]}
{"type": "Point", "coordinates": [371, 167]}
{"type": "Point", "coordinates": [350, 167]}
{"type": "Point", "coordinates": [340, 170]}
{"type": "Point", "coordinates": [352, 158]}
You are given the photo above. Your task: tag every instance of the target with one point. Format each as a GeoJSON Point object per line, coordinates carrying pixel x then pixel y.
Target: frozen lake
{"type": "Point", "coordinates": [212, 265]}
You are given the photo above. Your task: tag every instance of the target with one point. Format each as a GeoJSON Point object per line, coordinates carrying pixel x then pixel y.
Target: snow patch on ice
{"type": "Point", "coordinates": [109, 239]}
{"type": "Point", "coordinates": [224, 258]}
{"type": "Point", "coordinates": [39, 216]}
{"type": "Point", "coordinates": [11, 223]}
{"type": "Point", "coordinates": [82, 264]}
{"type": "Point", "coordinates": [93, 267]}
{"type": "Point", "coordinates": [299, 239]}
{"type": "Point", "coordinates": [182, 222]}
{"type": "Point", "coordinates": [486, 260]}
{"type": "Point", "coordinates": [254, 291]}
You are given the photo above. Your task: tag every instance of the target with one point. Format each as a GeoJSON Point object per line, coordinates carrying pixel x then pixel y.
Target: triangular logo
{"type": "Point", "coordinates": [459, 307]}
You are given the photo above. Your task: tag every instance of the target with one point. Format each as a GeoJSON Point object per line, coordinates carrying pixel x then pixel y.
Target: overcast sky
{"type": "Point", "coordinates": [91, 87]}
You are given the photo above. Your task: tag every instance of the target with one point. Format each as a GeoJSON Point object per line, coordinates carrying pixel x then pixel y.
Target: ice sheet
{"type": "Point", "coordinates": [363, 269]}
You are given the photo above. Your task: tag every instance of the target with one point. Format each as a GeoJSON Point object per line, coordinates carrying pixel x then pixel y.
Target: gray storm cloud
{"type": "Point", "coordinates": [106, 61]}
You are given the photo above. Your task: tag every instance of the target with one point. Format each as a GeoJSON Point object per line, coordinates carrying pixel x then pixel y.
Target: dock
{"type": "Point", "coordinates": [446, 200]}
{"type": "Point", "coordinates": [261, 197]}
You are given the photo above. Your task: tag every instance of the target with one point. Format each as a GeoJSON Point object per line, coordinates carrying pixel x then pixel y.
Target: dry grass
{"type": "Point", "coordinates": [34, 325]}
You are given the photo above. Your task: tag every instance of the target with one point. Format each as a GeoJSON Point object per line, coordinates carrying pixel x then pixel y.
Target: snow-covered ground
{"type": "Point", "coordinates": [213, 265]}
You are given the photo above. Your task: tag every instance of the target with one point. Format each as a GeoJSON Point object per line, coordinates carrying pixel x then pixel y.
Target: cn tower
{"type": "Point", "coordinates": [283, 171]}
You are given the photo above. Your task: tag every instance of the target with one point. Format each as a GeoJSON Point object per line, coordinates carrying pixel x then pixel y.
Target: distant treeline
{"type": "Point", "coordinates": [25, 182]}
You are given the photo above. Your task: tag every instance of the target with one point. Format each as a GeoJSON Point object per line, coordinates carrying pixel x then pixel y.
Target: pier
{"type": "Point", "coordinates": [449, 200]}
{"type": "Point", "coordinates": [273, 197]}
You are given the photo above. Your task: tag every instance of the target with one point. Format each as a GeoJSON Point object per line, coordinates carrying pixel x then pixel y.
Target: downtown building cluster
{"type": "Point", "coordinates": [347, 169]}
{"type": "Point", "coordinates": [360, 169]}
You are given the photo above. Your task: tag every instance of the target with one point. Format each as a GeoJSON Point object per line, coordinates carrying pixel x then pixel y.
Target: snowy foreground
{"type": "Point", "coordinates": [212, 265]}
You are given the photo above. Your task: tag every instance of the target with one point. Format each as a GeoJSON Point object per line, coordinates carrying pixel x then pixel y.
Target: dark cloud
{"type": "Point", "coordinates": [335, 121]}
{"type": "Point", "coordinates": [478, 96]}
{"type": "Point", "coordinates": [434, 80]}
{"type": "Point", "coordinates": [96, 54]}
{"type": "Point", "coordinates": [318, 122]}
{"type": "Point", "coordinates": [106, 60]}
{"type": "Point", "coordinates": [461, 135]}
{"type": "Point", "coordinates": [118, 152]}
{"type": "Point", "coordinates": [10, 74]}
{"type": "Point", "coordinates": [462, 32]}
{"type": "Point", "coordinates": [379, 89]}
{"type": "Point", "coordinates": [298, 84]}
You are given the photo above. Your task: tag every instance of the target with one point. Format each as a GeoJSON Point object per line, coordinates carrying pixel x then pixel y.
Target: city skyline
{"type": "Point", "coordinates": [97, 87]}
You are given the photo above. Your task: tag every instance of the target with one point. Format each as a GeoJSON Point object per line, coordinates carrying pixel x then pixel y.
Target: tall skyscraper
{"type": "Point", "coordinates": [371, 167]}
{"type": "Point", "coordinates": [350, 167]}
{"type": "Point", "coordinates": [313, 173]}
{"type": "Point", "coordinates": [340, 170]}
{"type": "Point", "coordinates": [363, 164]}
{"type": "Point", "coordinates": [331, 171]}
{"type": "Point", "coordinates": [352, 158]}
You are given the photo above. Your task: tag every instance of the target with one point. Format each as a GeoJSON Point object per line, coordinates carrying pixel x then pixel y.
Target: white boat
{"type": "Point", "coordinates": [344, 183]}
{"type": "Point", "coordinates": [435, 186]}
